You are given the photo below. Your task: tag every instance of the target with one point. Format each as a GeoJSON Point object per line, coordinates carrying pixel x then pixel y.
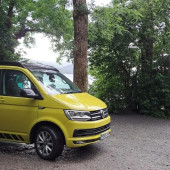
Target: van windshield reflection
{"type": "Point", "coordinates": [55, 82]}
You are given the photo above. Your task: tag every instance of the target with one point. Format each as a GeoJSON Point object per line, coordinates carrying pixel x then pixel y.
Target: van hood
{"type": "Point", "coordinates": [79, 101]}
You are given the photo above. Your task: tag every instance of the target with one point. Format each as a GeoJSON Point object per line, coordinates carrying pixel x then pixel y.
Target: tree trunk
{"type": "Point", "coordinates": [80, 16]}
{"type": "Point", "coordinates": [147, 42]}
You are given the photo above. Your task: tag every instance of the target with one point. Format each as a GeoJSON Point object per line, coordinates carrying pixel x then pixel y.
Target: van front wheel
{"type": "Point", "coordinates": [49, 143]}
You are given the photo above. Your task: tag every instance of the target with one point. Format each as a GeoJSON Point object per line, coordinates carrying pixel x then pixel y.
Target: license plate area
{"type": "Point", "coordinates": [104, 135]}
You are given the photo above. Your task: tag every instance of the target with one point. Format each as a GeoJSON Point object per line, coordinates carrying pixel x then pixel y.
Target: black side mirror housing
{"type": "Point", "coordinates": [29, 93]}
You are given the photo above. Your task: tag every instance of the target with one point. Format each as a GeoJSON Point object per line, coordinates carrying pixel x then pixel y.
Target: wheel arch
{"type": "Point", "coordinates": [44, 123]}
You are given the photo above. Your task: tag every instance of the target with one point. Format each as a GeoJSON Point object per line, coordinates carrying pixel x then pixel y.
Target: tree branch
{"type": "Point", "coordinates": [22, 32]}
{"type": "Point", "coordinates": [9, 14]}
{"type": "Point", "coordinates": [10, 9]}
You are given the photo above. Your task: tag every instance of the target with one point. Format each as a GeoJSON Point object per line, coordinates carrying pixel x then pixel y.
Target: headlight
{"type": "Point", "coordinates": [77, 115]}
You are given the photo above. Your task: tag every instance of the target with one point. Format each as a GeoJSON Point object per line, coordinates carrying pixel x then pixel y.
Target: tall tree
{"type": "Point", "coordinates": [80, 16]}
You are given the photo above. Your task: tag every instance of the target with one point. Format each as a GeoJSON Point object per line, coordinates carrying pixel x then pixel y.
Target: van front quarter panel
{"type": "Point", "coordinates": [55, 116]}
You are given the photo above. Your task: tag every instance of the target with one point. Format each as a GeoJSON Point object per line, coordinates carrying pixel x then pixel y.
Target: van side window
{"type": "Point", "coordinates": [13, 82]}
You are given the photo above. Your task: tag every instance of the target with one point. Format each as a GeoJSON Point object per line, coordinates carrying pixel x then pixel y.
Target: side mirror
{"type": "Point", "coordinates": [29, 93]}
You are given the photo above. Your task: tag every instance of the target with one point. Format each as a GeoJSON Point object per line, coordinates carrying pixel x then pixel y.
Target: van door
{"type": "Point", "coordinates": [17, 113]}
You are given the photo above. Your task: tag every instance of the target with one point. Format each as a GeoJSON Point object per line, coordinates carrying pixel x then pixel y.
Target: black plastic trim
{"type": "Point", "coordinates": [90, 132]}
{"type": "Point", "coordinates": [7, 136]}
{"type": "Point", "coordinates": [9, 63]}
{"type": "Point", "coordinates": [1, 136]}
{"type": "Point", "coordinates": [20, 137]}
{"type": "Point", "coordinates": [15, 137]}
{"type": "Point", "coordinates": [28, 66]}
{"type": "Point", "coordinates": [11, 137]}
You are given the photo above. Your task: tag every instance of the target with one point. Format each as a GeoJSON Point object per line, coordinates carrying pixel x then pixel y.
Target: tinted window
{"type": "Point", "coordinates": [13, 82]}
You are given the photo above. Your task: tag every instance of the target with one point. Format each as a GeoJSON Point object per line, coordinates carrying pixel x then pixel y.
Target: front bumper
{"type": "Point", "coordinates": [90, 132]}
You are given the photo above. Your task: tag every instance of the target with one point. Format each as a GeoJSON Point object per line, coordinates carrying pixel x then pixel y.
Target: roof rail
{"type": "Point", "coordinates": [34, 66]}
{"type": "Point", "coordinates": [10, 63]}
{"type": "Point", "coordinates": [28, 66]}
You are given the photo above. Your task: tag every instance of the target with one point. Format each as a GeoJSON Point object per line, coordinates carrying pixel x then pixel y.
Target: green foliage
{"type": "Point", "coordinates": [5, 36]}
{"type": "Point", "coordinates": [21, 19]}
{"type": "Point", "coordinates": [129, 56]}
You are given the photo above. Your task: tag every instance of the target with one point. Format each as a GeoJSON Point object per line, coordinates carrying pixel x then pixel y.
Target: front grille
{"type": "Point", "coordinates": [90, 132]}
{"type": "Point", "coordinates": [99, 114]}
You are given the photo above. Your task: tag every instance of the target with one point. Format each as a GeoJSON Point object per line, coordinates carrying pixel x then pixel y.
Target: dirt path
{"type": "Point", "coordinates": [136, 142]}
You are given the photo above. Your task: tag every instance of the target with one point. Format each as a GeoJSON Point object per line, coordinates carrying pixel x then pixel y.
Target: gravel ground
{"type": "Point", "coordinates": [136, 142]}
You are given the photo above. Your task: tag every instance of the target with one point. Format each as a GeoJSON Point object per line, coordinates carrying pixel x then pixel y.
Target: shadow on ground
{"type": "Point", "coordinates": [69, 154]}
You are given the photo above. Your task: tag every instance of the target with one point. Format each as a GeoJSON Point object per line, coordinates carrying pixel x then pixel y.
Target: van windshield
{"type": "Point", "coordinates": [55, 82]}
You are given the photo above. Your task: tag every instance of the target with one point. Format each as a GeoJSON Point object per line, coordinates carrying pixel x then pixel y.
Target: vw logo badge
{"type": "Point", "coordinates": [102, 114]}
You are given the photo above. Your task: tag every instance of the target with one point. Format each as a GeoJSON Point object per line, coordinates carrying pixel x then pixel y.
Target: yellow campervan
{"type": "Point", "coordinates": [40, 105]}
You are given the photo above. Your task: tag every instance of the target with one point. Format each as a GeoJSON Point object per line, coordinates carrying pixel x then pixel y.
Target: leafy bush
{"type": "Point", "coordinates": [130, 56]}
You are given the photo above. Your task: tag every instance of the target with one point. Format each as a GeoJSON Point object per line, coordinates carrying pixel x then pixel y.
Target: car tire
{"type": "Point", "coordinates": [49, 142]}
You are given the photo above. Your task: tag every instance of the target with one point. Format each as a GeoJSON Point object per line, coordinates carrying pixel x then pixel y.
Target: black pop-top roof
{"type": "Point", "coordinates": [29, 66]}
